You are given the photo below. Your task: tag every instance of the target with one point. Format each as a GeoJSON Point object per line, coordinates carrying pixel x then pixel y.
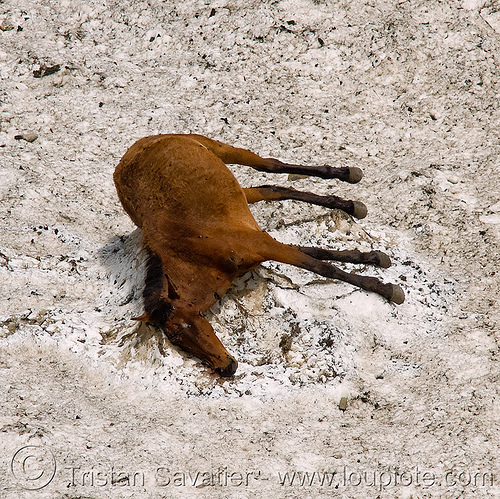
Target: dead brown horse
{"type": "Point", "coordinates": [201, 235]}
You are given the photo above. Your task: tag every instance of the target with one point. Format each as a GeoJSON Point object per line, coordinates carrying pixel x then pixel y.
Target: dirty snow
{"type": "Point", "coordinates": [94, 405]}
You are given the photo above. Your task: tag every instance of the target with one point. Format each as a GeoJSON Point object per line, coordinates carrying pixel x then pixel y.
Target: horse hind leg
{"type": "Point", "coordinates": [276, 193]}
{"type": "Point", "coordinates": [236, 155]}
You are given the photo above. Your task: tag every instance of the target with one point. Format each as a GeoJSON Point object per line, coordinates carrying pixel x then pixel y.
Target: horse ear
{"type": "Point", "coordinates": [142, 318]}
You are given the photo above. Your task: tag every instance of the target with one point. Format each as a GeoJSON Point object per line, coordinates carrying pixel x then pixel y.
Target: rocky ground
{"type": "Point", "coordinates": [95, 406]}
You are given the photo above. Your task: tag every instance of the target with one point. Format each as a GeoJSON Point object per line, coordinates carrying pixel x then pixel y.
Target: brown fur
{"type": "Point", "coordinates": [201, 235]}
